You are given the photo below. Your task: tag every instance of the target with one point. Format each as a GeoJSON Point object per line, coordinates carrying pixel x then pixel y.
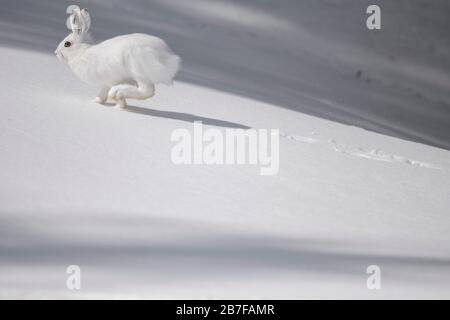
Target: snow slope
{"type": "Point", "coordinates": [94, 186]}
{"type": "Point", "coordinates": [301, 55]}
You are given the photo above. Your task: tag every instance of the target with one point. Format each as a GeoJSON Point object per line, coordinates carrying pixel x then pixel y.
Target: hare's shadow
{"type": "Point", "coordinates": [187, 117]}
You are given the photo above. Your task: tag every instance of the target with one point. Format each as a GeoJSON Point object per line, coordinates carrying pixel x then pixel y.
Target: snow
{"type": "Point", "coordinates": [95, 186]}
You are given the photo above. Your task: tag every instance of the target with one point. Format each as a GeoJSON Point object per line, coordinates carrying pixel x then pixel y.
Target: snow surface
{"type": "Point", "coordinates": [94, 185]}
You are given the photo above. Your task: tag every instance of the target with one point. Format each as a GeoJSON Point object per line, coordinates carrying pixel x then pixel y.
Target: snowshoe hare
{"type": "Point", "coordinates": [124, 67]}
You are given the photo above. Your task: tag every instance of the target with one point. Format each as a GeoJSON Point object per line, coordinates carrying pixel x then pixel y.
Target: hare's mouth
{"type": "Point", "coordinates": [60, 56]}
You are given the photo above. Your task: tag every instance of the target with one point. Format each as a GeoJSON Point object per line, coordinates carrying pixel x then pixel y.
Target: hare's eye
{"type": "Point", "coordinates": [67, 44]}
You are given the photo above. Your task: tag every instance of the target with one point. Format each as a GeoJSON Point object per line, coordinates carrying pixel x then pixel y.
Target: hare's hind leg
{"type": "Point", "coordinates": [102, 95]}
{"type": "Point", "coordinates": [142, 91]}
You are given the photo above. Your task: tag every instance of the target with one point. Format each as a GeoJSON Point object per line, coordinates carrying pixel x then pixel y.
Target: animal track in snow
{"type": "Point", "coordinates": [378, 155]}
{"type": "Point", "coordinates": [299, 138]}
{"type": "Point", "coordinates": [372, 154]}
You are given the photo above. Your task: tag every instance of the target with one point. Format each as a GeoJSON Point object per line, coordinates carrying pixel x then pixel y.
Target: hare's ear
{"type": "Point", "coordinates": [74, 22]}
{"type": "Point", "coordinates": [85, 20]}
{"type": "Point", "coordinates": [72, 9]}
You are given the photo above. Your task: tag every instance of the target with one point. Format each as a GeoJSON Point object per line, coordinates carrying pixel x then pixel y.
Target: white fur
{"type": "Point", "coordinates": [123, 67]}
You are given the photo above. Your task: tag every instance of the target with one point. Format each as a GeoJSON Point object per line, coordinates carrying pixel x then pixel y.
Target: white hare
{"type": "Point", "coordinates": [124, 67]}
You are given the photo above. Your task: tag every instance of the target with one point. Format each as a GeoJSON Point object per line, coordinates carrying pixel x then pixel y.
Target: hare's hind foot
{"type": "Point", "coordinates": [121, 103]}
{"type": "Point", "coordinates": [126, 91]}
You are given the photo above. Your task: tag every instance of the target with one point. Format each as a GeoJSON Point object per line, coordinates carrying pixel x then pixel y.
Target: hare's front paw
{"type": "Point", "coordinates": [100, 100]}
{"type": "Point", "coordinates": [102, 96]}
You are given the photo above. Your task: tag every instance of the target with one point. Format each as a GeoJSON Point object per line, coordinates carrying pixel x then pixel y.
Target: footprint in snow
{"type": "Point", "coordinates": [373, 154]}
{"type": "Point", "coordinates": [378, 155]}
